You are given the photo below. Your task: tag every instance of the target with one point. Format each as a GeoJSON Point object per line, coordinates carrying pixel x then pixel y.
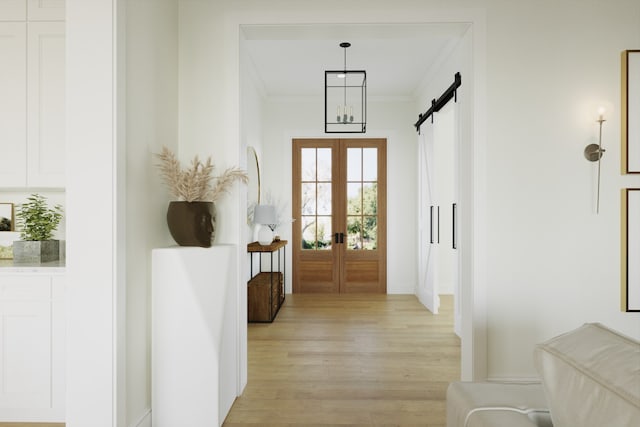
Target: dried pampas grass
{"type": "Point", "coordinates": [195, 183]}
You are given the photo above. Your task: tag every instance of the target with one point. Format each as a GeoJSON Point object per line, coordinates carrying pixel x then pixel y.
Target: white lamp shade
{"type": "Point", "coordinates": [265, 214]}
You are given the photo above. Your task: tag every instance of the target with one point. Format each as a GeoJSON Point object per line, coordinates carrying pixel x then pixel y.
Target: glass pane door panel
{"type": "Point", "coordinates": [362, 198]}
{"type": "Point", "coordinates": [354, 198]}
{"type": "Point", "coordinates": [323, 200]}
{"type": "Point", "coordinates": [370, 232]}
{"type": "Point", "coordinates": [308, 227]}
{"type": "Point", "coordinates": [324, 233]}
{"type": "Point", "coordinates": [316, 198]}
{"type": "Point", "coordinates": [324, 164]}
{"type": "Point", "coordinates": [308, 201]}
{"type": "Point", "coordinates": [370, 198]}
{"type": "Point", "coordinates": [354, 164]}
{"type": "Point", "coordinates": [369, 164]}
{"type": "Point", "coordinates": [308, 160]}
{"type": "Point", "coordinates": [316, 232]}
{"type": "Point", "coordinates": [354, 233]}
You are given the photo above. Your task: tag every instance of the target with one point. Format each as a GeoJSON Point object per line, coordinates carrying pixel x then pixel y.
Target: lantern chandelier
{"type": "Point", "coordinates": [345, 99]}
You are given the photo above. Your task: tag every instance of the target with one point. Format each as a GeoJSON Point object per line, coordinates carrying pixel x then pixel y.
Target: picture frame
{"type": "Point", "coordinates": [7, 217]}
{"type": "Point", "coordinates": [630, 250]}
{"type": "Point", "coordinates": [630, 117]}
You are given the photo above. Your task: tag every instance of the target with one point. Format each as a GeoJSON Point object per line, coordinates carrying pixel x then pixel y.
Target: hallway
{"type": "Point", "coordinates": [350, 359]}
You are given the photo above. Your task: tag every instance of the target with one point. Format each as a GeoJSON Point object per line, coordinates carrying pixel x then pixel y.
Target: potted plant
{"type": "Point", "coordinates": [37, 222]}
{"type": "Point", "coordinates": [191, 217]}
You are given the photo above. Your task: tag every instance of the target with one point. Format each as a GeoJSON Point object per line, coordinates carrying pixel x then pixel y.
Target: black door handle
{"type": "Point", "coordinates": [438, 228]}
{"type": "Point", "coordinates": [431, 224]}
{"type": "Point", "coordinates": [454, 227]}
{"type": "Point", "coordinates": [341, 237]}
{"type": "Point", "coordinates": [338, 237]}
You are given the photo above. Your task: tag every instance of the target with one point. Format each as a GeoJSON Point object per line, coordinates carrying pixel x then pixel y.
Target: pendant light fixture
{"type": "Point", "coordinates": [345, 99]}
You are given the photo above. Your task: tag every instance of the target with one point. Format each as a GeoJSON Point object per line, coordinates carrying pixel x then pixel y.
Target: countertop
{"type": "Point", "coordinates": [8, 266]}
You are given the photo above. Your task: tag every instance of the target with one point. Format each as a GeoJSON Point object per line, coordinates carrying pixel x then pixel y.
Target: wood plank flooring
{"type": "Point", "coordinates": [365, 360]}
{"type": "Point", "coordinates": [374, 360]}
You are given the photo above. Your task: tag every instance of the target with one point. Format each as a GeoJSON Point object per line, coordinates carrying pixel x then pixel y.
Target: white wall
{"type": "Point", "coordinates": [553, 264]}
{"type": "Point", "coordinates": [209, 121]}
{"type": "Point", "coordinates": [152, 121]}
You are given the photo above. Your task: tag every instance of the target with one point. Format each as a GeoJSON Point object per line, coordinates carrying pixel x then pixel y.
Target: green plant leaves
{"type": "Point", "coordinates": [37, 220]}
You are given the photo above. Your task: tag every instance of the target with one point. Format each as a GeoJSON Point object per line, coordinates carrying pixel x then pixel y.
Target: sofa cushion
{"type": "Point", "coordinates": [591, 377]}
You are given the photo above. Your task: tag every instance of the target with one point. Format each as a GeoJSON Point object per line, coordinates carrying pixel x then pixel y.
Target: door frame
{"type": "Point", "coordinates": [345, 263]}
{"type": "Point", "coordinates": [473, 233]}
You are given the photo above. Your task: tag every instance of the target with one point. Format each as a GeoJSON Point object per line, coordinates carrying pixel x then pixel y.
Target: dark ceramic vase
{"type": "Point", "coordinates": [192, 223]}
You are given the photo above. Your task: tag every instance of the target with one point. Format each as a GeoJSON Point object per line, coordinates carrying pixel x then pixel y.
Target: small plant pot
{"type": "Point", "coordinates": [36, 251]}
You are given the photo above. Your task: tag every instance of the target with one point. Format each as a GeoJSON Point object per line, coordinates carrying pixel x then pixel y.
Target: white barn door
{"type": "Point", "coordinates": [438, 255]}
{"type": "Point", "coordinates": [428, 221]}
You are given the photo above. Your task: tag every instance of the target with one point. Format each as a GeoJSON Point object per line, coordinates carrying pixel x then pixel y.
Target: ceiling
{"type": "Point", "coordinates": [290, 60]}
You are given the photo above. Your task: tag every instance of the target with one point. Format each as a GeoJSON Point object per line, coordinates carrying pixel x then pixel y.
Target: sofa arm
{"type": "Point", "coordinates": [591, 377]}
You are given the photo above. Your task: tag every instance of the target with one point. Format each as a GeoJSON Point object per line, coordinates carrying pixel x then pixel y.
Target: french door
{"type": "Point", "coordinates": [339, 207]}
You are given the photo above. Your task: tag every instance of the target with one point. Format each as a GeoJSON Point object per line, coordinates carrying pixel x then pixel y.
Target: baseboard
{"type": "Point", "coordinates": [516, 380]}
{"type": "Point", "coordinates": [144, 420]}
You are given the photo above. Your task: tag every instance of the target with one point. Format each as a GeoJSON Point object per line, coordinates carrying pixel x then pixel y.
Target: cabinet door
{"type": "Point", "coordinates": [25, 337]}
{"type": "Point", "coordinates": [45, 10]}
{"type": "Point", "coordinates": [13, 10]}
{"type": "Point", "coordinates": [32, 339]}
{"type": "Point", "coordinates": [13, 104]}
{"type": "Point", "coordinates": [45, 105]}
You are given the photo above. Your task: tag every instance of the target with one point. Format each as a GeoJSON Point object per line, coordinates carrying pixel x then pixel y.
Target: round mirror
{"type": "Point", "coordinates": [253, 190]}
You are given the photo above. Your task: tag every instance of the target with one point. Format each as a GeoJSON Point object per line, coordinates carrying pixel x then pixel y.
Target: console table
{"type": "Point", "coordinates": [265, 290]}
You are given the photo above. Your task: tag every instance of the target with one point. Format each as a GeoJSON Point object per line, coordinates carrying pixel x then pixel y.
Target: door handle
{"type": "Point", "coordinates": [341, 237]}
{"type": "Point", "coordinates": [454, 221]}
{"type": "Point", "coordinates": [438, 224]}
{"type": "Point", "coordinates": [431, 224]}
{"type": "Point", "coordinates": [338, 237]}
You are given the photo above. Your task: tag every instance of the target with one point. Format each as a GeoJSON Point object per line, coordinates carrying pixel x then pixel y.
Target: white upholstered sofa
{"type": "Point", "coordinates": [590, 378]}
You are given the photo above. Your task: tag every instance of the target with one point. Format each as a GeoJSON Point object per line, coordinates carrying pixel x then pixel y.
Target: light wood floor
{"type": "Point", "coordinates": [378, 360]}
{"type": "Point", "coordinates": [350, 360]}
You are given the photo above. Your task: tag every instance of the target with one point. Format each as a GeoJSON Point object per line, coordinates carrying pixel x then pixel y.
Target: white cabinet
{"type": "Point", "coordinates": [13, 10]}
{"type": "Point", "coordinates": [32, 370]}
{"type": "Point", "coordinates": [32, 133]}
{"type": "Point", "coordinates": [45, 10]}
{"type": "Point", "coordinates": [45, 104]}
{"type": "Point", "coordinates": [32, 10]}
{"type": "Point", "coordinates": [13, 104]}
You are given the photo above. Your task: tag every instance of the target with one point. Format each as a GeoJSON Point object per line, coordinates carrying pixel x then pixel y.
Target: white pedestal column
{"type": "Point", "coordinates": [194, 337]}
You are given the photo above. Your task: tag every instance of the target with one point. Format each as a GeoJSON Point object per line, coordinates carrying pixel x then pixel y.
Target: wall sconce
{"type": "Point", "coordinates": [594, 152]}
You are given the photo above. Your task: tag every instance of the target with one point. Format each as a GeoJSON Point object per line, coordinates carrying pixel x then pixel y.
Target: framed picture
{"type": "Point", "coordinates": [6, 243]}
{"type": "Point", "coordinates": [630, 286]}
{"type": "Point", "coordinates": [7, 220]}
{"type": "Point", "coordinates": [630, 111]}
